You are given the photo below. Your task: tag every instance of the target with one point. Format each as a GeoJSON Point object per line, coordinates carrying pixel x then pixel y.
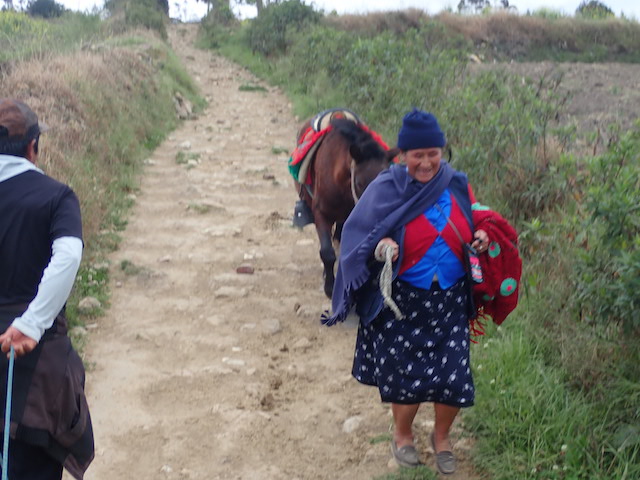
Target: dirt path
{"type": "Point", "coordinates": [199, 372]}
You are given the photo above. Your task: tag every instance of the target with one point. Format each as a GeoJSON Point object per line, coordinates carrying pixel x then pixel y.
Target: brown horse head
{"type": "Point", "coordinates": [368, 157]}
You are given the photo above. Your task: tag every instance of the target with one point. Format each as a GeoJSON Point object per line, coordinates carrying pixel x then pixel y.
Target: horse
{"type": "Point", "coordinates": [346, 162]}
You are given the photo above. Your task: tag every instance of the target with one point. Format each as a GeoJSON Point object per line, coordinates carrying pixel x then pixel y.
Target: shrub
{"type": "Point", "coordinates": [23, 37]}
{"type": "Point", "coordinates": [609, 267]}
{"type": "Point", "coordinates": [268, 33]}
{"type": "Point", "coordinates": [593, 9]}
{"type": "Point", "coordinates": [219, 14]}
{"type": "Point", "coordinates": [45, 8]}
{"type": "Point", "coordinates": [149, 14]}
{"type": "Point", "coordinates": [145, 13]}
{"type": "Point", "coordinates": [547, 13]}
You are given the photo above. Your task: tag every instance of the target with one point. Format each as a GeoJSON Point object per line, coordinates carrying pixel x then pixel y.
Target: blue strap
{"type": "Point", "coordinates": [7, 417]}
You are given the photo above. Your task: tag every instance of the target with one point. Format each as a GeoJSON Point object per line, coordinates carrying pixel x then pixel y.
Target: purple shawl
{"type": "Point", "coordinates": [389, 202]}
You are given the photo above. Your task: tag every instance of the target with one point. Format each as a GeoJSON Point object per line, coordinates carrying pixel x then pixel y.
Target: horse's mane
{"type": "Point", "coordinates": [359, 138]}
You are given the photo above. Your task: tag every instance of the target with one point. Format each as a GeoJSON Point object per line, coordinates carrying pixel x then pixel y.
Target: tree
{"type": "Point", "coordinates": [9, 4]}
{"type": "Point", "coordinates": [216, 4]}
{"type": "Point", "coordinates": [480, 5]}
{"type": "Point", "coordinates": [260, 4]}
{"type": "Point", "coordinates": [219, 12]}
{"type": "Point", "coordinates": [45, 8]}
{"type": "Point", "coordinates": [164, 6]}
{"type": "Point", "coordinates": [476, 5]}
{"type": "Point", "coordinates": [594, 10]}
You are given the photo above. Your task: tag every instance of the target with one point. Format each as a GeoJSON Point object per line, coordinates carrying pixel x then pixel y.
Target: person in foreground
{"type": "Point", "coordinates": [421, 209]}
{"type": "Point", "coordinates": [40, 252]}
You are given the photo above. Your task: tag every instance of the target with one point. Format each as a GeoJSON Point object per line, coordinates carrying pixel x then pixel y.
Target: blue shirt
{"type": "Point", "coordinates": [438, 260]}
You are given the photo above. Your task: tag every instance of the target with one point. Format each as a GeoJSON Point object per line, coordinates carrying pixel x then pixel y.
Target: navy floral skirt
{"type": "Point", "coordinates": [423, 357]}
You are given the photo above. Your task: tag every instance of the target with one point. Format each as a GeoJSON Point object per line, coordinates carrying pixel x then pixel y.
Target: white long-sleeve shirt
{"type": "Point", "coordinates": [54, 288]}
{"type": "Point", "coordinates": [58, 277]}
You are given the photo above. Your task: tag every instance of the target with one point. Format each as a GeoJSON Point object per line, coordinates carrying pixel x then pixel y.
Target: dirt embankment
{"type": "Point", "coordinates": [597, 94]}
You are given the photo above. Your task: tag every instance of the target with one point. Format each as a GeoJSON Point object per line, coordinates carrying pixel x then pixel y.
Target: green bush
{"type": "Point", "coordinates": [220, 14]}
{"type": "Point", "coordinates": [500, 129]}
{"type": "Point", "coordinates": [594, 10]}
{"type": "Point", "coordinates": [146, 13]}
{"type": "Point", "coordinates": [23, 37]}
{"type": "Point", "coordinates": [609, 267]}
{"type": "Point", "coordinates": [547, 13]}
{"type": "Point", "coordinates": [45, 8]}
{"type": "Point", "coordinates": [268, 32]}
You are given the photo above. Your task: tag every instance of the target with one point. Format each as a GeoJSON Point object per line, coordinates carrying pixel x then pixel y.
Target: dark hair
{"type": "Point", "coordinates": [18, 147]}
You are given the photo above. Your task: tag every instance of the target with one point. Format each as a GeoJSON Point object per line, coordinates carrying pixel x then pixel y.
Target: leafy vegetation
{"type": "Point", "coordinates": [505, 36]}
{"type": "Point", "coordinates": [23, 37]}
{"type": "Point", "coordinates": [594, 9]}
{"type": "Point", "coordinates": [557, 385]}
{"type": "Point", "coordinates": [609, 267]}
{"type": "Point", "coordinates": [269, 32]}
{"type": "Point", "coordinates": [150, 14]}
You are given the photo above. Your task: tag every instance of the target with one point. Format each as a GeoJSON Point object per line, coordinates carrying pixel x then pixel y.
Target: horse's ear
{"type": "Point", "coordinates": [393, 153]}
{"type": "Point", "coordinates": [355, 153]}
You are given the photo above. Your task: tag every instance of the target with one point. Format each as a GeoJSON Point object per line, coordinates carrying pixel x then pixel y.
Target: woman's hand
{"type": "Point", "coordinates": [481, 242]}
{"type": "Point", "coordinates": [383, 244]}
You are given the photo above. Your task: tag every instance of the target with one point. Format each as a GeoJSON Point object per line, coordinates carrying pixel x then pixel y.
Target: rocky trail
{"type": "Point", "coordinates": [198, 371]}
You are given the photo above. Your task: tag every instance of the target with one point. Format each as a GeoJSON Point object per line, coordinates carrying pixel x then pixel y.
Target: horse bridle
{"type": "Point", "coordinates": [353, 184]}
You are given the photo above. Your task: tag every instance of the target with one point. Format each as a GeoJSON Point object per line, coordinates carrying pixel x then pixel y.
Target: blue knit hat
{"type": "Point", "coordinates": [420, 130]}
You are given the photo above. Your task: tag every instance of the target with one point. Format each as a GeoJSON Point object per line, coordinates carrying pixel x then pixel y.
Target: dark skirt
{"type": "Point", "coordinates": [49, 407]}
{"type": "Point", "coordinates": [423, 357]}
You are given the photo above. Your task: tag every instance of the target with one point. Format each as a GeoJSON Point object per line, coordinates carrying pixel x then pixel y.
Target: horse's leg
{"type": "Point", "coordinates": [327, 253]}
{"type": "Point", "coordinates": [337, 234]}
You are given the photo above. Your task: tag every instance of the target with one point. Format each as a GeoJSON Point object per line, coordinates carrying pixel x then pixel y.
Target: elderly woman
{"type": "Point", "coordinates": [421, 209]}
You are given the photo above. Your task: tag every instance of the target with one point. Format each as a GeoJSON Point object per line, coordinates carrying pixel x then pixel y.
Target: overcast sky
{"type": "Point", "coordinates": [192, 9]}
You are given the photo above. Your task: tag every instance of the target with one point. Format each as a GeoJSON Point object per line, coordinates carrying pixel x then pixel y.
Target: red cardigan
{"type": "Point", "coordinates": [501, 266]}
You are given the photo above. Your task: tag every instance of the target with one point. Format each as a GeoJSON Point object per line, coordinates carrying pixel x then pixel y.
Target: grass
{"type": "Point", "coordinates": [183, 158]}
{"type": "Point", "coordinates": [130, 268]}
{"type": "Point", "coordinates": [383, 438]}
{"type": "Point", "coordinates": [200, 208]}
{"type": "Point", "coordinates": [23, 37]}
{"type": "Point", "coordinates": [247, 87]}
{"type": "Point", "coordinates": [529, 420]}
{"type": "Point", "coordinates": [279, 150]}
{"type": "Point", "coordinates": [504, 36]}
{"type": "Point", "coordinates": [419, 473]}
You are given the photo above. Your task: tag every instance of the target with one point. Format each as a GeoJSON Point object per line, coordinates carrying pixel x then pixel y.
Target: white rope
{"type": "Point", "coordinates": [386, 277]}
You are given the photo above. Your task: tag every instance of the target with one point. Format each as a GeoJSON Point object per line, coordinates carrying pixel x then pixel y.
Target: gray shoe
{"type": "Point", "coordinates": [445, 460]}
{"type": "Point", "coordinates": [406, 456]}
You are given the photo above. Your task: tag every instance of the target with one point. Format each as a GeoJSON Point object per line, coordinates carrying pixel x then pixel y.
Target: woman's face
{"type": "Point", "coordinates": [423, 163]}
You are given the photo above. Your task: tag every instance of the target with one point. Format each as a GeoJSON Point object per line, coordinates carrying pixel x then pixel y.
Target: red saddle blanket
{"type": "Point", "coordinates": [308, 144]}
